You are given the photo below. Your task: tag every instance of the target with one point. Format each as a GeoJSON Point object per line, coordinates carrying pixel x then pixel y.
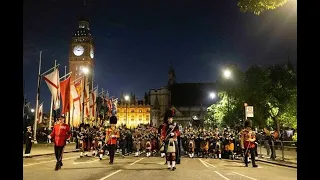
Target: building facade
{"type": "Point", "coordinates": [134, 113]}
{"type": "Point", "coordinates": [81, 53]}
{"type": "Point", "coordinates": [159, 102]}
{"type": "Point", "coordinates": [189, 100]}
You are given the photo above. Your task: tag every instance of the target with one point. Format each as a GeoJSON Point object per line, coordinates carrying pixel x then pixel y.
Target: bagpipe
{"type": "Point", "coordinates": [169, 131]}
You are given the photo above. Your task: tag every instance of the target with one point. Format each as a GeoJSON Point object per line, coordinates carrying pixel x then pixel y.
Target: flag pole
{"type": "Point", "coordinates": [50, 115]}
{"type": "Point", "coordinates": [37, 102]}
{"type": "Point", "coordinates": [95, 105]}
{"type": "Point", "coordinates": [24, 104]}
{"type": "Point", "coordinates": [67, 113]}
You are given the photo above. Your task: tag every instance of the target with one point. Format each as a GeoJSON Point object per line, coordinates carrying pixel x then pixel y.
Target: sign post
{"type": "Point", "coordinates": [249, 111]}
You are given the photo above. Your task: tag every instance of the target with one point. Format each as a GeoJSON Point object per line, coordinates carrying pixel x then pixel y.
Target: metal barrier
{"type": "Point", "coordinates": [288, 150]}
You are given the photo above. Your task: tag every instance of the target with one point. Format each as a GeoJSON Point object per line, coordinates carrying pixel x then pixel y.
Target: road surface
{"type": "Point", "coordinates": [140, 168]}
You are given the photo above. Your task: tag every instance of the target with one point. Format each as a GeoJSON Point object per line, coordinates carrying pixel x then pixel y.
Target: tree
{"type": "Point", "coordinates": [255, 83]}
{"type": "Point", "coordinates": [258, 6]}
{"type": "Point", "coordinates": [282, 92]}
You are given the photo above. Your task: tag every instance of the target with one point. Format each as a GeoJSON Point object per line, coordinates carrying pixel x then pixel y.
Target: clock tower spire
{"type": "Point", "coordinates": [81, 50]}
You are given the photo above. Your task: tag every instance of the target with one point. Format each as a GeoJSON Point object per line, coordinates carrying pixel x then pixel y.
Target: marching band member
{"type": "Point", "coordinates": [169, 135]}
{"type": "Point", "coordinates": [111, 137]}
{"type": "Point", "coordinates": [60, 133]}
{"type": "Point", "coordinates": [248, 138]}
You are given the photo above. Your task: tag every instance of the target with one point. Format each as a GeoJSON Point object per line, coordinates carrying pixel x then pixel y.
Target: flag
{"type": "Point", "coordinates": [86, 101]}
{"type": "Point", "coordinates": [93, 102]}
{"type": "Point", "coordinates": [53, 83]}
{"type": "Point", "coordinates": [75, 96]}
{"type": "Point", "coordinates": [40, 113]}
{"type": "Point", "coordinates": [65, 95]}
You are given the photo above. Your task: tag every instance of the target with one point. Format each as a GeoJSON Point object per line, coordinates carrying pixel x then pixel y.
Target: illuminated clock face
{"type": "Point", "coordinates": [78, 50]}
{"type": "Point", "coordinates": [91, 53]}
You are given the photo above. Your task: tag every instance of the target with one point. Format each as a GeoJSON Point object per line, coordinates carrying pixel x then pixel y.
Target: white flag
{"type": "Point", "coordinates": [40, 113]}
{"type": "Point", "coordinates": [93, 98]}
{"type": "Point", "coordinates": [75, 89]}
{"type": "Point", "coordinates": [53, 82]}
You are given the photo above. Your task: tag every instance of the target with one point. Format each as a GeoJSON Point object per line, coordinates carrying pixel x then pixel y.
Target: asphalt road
{"type": "Point", "coordinates": [140, 168]}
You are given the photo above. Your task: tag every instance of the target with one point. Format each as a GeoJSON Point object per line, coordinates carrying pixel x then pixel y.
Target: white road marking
{"type": "Point", "coordinates": [86, 162]}
{"type": "Point", "coordinates": [209, 164]}
{"type": "Point", "coordinates": [110, 174]}
{"type": "Point", "coordinates": [135, 162]}
{"type": "Point", "coordinates": [221, 175]}
{"type": "Point", "coordinates": [31, 164]}
{"type": "Point", "coordinates": [203, 163]}
{"type": "Point", "coordinates": [245, 176]}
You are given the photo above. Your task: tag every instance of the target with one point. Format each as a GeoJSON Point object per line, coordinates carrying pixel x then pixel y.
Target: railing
{"type": "Point", "coordinates": [287, 149]}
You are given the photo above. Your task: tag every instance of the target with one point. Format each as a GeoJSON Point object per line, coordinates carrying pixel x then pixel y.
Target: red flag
{"type": "Point", "coordinates": [65, 95]}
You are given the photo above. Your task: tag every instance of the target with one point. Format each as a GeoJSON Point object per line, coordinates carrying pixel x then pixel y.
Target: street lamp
{"type": "Point", "coordinates": [126, 98]}
{"type": "Point", "coordinates": [32, 110]}
{"type": "Point", "coordinates": [212, 95]}
{"type": "Point", "coordinates": [85, 71]}
{"type": "Point", "coordinates": [227, 73]}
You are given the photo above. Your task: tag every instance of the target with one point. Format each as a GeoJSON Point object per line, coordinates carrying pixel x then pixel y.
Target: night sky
{"type": "Point", "coordinates": [135, 41]}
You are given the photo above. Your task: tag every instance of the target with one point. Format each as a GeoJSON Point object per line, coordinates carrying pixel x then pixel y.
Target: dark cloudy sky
{"type": "Point", "coordinates": [136, 40]}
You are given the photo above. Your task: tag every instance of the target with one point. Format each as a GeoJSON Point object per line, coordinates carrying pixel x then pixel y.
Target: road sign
{"type": "Point", "coordinates": [249, 111]}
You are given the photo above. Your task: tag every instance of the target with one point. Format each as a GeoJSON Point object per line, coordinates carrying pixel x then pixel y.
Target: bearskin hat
{"type": "Point", "coordinates": [113, 120]}
{"type": "Point", "coordinates": [168, 114]}
{"type": "Point", "coordinates": [247, 123]}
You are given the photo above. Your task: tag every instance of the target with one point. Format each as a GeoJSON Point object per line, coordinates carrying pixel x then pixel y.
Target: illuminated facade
{"type": "Point", "coordinates": [133, 114]}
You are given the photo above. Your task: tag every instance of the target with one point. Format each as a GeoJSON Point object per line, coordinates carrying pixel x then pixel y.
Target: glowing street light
{"type": "Point", "coordinates": [32, 110]}
{"type": "Point", "coordinates": [212, 95]}
{"type": "Point", "coordinates": [227, 73]}
{"type": "Point", "coordinates": [126, 98]}
{"type": "Point", "coordinates": [85, 70]}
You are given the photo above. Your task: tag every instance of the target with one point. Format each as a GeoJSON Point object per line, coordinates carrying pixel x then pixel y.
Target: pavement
{"type": "Point", "coordinates": [289, 158]}
{"type": "Point", "coordinates": [140, 168]}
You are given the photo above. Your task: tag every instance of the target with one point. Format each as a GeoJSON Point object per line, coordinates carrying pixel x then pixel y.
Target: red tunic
{"type": "Point", "coordinates": [112, 136]}
{"type": "Point", "coordinates": [164, 132]}
{"type": "Point", "coordinates": [60, 133]}
{"type": "Point", "coordinates": [247, 138]}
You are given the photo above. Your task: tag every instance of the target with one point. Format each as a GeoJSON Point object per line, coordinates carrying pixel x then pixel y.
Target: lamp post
{"type": "Point", "coordinates": [85, 72]}
{"type": "Point", "coordinates": [32, 110]}
{"type": "Point", "coordinates": [227, 75]}
{"type": "Point", "coordinates": [126, 98]}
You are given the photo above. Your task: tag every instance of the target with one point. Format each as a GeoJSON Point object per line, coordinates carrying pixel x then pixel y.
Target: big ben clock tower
{"type": "Point", "coordinates": [81, 52]}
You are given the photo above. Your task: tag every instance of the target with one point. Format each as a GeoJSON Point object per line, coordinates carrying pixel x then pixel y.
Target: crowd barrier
{"type": "Point", "coordinates": [282, 150]}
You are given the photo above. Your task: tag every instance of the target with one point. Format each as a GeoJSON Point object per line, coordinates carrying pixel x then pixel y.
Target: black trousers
{"type": "Point", "coordinates": [28, 147]}
{"type": "Point", "coordinates": [123, 146]}
{"type": "Point", "coordinates": [58, 151]}
{"type": "Point", "coordinates": [253, 156]}
{"type": "Point", "coordinates": [112, 148]}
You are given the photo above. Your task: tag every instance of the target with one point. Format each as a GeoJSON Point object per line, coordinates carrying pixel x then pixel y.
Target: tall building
{"type": "Point", "coordinates": [133, 113]}
{"type": "Point", "coordinates": [159, 102]}
{"type": "Point", "coordinates": [81, 52]}
{"type": "Point", "coordinates": [189, 100]}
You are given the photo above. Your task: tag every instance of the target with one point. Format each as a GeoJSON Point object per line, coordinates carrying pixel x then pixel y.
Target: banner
{"type": "Point", "coordinates": [53, 82]}
{"type": "Point", "coordinates": [65, 95]}
{"type": "Point", "coordinates": [93, 103]}
{"type": "Point", "coordinates": [76, 110]}
{"type": "Point", "coordinates": [40, 113]}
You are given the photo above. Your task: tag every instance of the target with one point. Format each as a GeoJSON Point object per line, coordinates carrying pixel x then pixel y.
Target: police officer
{"type": "Point", "coordinates": [60, 133]}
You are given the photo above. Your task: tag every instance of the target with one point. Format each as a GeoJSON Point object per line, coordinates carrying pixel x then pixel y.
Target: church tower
{"type": "Point", "coordinates": [172, 77]}
{"type": "Point", "coordinates": [81, 51]}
